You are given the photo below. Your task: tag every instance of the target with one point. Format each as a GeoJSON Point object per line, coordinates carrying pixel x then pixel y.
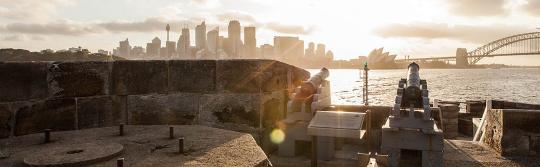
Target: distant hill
{"type": "Point", "coordinates": [25, 55]}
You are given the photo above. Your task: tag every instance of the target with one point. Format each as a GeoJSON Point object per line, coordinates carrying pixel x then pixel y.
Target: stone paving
{"type": "Point", "coordinates": [140, 146]}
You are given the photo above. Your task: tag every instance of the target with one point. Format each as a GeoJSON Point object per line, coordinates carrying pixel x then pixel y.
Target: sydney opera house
{"type": "Point", "coordinates": [378, 56]}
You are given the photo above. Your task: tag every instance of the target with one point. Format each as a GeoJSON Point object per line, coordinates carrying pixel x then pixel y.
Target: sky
{"type": "Point", "coordinates": [350, 28]}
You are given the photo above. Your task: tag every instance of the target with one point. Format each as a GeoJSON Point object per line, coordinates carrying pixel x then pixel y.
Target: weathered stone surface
{"type": "Point", "coordinates": [139, 77]}
{"type": "Point", "coordinates": [6, 117]}
{"type": "Point", "coordinates": [217, 110]}
{"type": "Point", "coordinates": [143, 146]}
{"type": "Point", "coordinates": [192, 76]}
{"type": "Point", "coordinates": [524, 120]}
{"type": "Point", "coordinates": [58, 114]}
{"type": "Point", "coordinates": [177, 109]}
{"type": "Point", "coordinates": [239, 76]}
{"type": "Point", "coordinates": [99, 111]}
{"type": "Point", "coordinates": [23, 81]}
{"type": "Point", "coordinates": [276, 75]}
{"type": "Point", "coordinates": [274, 108]}
{"type": "Point", "coordinates": [535, 145]}
{"type": "Point", "coordinates": [494, 132]}
{"type": "Point", "coordinates": [465, 126]}
{"type": "Point", "coordinates": [79, 154]}
{"type": "Point", "coordinates": [79, 79]}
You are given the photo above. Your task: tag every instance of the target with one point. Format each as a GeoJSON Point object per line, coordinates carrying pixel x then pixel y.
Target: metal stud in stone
{"type": "Point", "coordinates": [47, 134]}
{"type": "Point", "coordinates": [181, 145]}
{"type": "Point", "coordinates": [121, 130]}
{"type": "Point", "coordinates": [171, 132]}
{"type": "Point", "coordinates": [120, 162]}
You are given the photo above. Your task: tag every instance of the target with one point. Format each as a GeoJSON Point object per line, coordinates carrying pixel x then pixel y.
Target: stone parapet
{"type": "Point", "coordinates": [241, 95]}
{"type": "Point", "coordinates": [513, 132]}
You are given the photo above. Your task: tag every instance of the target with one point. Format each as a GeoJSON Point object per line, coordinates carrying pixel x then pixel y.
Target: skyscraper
{"type": "Point", "coordinates": [152, 49]}
{"type": "Point", "coordinates": [200, 36]}
{"type": "Point", "coordinates": [310, 51]}
{"type": "Point", "coordinates": [321, 50]}
{"type": "Point", "coordinates": [124, 49]}
{"type": "Point", "coordinates": [250, 40]}
{"type": "Point", "coordinates": [235, 43]}
{"type": "Point", "coordinates": [184, 44]}
{"type": "Point", "coordinates": [267, 51]}
{"type": "Point", "coordinates": [213, 41]}
{"type": "Point", "coordinates": [171, 49]}
{"type": "Point", "coordinates": [288, 48]}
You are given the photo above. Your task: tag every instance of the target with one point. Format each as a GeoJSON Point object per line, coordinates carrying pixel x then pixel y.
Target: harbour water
{"type": "Point", "coordinates": [520, 85]}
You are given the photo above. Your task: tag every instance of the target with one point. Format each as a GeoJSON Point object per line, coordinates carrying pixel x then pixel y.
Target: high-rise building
{"type": "Point", "coordinates": [321, 50]}
{"type": "Point", "coordinates": [171, 49]}
{"type": "Point", "coordinates": [213, 41]}
{"type": "Point", "coordinates": [250, 41]}
{"type": "Point", "coordinates": [137, 52]}
{"type": "Point", "coordinates": [163, 52]}
{"type": "Point", "coordinates": [288, 48]}
{"type": "Point", "coordinates": [329, 55]}
{"type": "Point", "coordinates": [200, 36]}
{"type": "Point", "coordinates": [124, 49]}
{"type": "Point", "coordinates": [184, 44]}
{"type": "Point", "coordinates": [152, 49]}
{"type": "Point", "coordinates": [310, 51]}
{"type": "Point", "coordinates": [235, 43]}
{"type": "Point", "coordinates": [267, 51]}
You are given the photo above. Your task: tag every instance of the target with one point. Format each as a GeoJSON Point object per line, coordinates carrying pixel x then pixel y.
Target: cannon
{"type": "Point", "coordinates": [309, 87]}
{"type": "Point", "coordinates": [310, 92]}
{"type": "Point", "coordinates": [411, 119]}
{"type": "Point", "coordinates": [412, 93]}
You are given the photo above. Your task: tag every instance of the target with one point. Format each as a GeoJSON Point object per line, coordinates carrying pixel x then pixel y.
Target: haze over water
{"type": "Point", "coordinates": [519, 85]}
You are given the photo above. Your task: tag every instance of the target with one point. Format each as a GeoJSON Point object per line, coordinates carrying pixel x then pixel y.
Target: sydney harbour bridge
{"type": "Point", "coordinates": [515, 45]}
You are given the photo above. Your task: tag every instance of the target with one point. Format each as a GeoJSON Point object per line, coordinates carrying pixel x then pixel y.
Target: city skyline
{"type": "Point", "coordinates": [351, 29]}
{"type": "Point", "coordinates": [237, 44]}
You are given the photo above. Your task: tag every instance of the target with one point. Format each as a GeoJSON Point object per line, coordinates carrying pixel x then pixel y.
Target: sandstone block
{"type": "Point", "coordinates": [6, 117]}
{"type": "Point", "coordinates": [139, 77]}
{"type": "Point", "coordinates": [23, 81]}
{"type": "Point", "coordinates": [219, 110]}
{"type": "Point", "coordinates": [79, 79]}
{"type": "Point", "coordinates": [99, 111]}
{"type": "Point", "coordinates": [57, 114]}
{"type": "Point", "coordinates": [177, 109]}
{"type": "Point", "coordinates": [192, 76]}
{"type": "Point", "coordinates": [239, 76]}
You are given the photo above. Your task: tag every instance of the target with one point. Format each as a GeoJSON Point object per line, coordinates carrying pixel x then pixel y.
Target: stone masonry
{"type": "Point", "coordinates": [243, 95]}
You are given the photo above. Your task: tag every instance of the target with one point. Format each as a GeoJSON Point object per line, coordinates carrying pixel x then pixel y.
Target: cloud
{"type": "Point", "coordinates": [477, 7]}
{"type": "Point", "coordinates": [532, 7]}
{"type": "Point", "coordinates": [466, 33]}
{"type": "Point", "coordinates": [153, 24]}
{"type": "Point", "coordinates": [235, 15]}
{"type": "Point", "coordinates": [37, 10]}
{"type": "Point", "coordinates": [289, 29]}
{"type": "Point", "coordinates": [62, 27]}
{"type": "Point", "coordinates": [148, 25]}
{"type": "Point", "coordinates": [21, 37]}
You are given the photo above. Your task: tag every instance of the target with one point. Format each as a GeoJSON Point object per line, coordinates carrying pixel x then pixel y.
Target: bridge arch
{"type": "Point", "coordinates": [484, 51]}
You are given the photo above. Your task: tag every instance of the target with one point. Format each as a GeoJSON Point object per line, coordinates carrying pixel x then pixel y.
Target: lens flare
{"type": "Point", "coordinates": [277, 136]}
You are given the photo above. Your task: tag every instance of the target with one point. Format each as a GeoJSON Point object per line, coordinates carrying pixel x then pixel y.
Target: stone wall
{"type": "Point", "coordinates": [242, 95]}
{"type": "Point", "coordinates": [513, 132]}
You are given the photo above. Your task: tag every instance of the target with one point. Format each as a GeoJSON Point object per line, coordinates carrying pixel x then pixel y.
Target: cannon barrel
{"type": "Point", "coordinates": [413, 77]}
{"type": "Point", "coordinates": [413, 94]}
{"type": "Point", "coordinates": [309, 87]}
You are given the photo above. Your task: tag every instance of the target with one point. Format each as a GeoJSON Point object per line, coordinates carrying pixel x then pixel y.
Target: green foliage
{"type": "Point", "coordinates": [25, 55]}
